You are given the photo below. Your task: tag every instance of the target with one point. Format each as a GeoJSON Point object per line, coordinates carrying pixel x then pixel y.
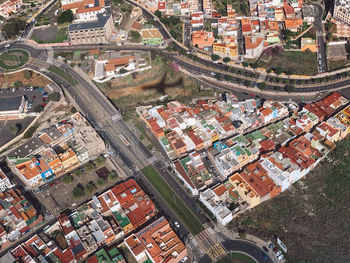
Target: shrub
{"type": "Point", "coordinates": [89, 167]}
{"type": "Point", "coordinates": [101, 182]}
{"type": "Point", "coordinates": [54, 96]}
{"type": "Point", "coordinates": [226, 59]}
{"type": "Point", "coordinates": [66, 16]}
{"type": "Point", "coordinates": [90, 187]}
{"type": "Point", "coordinates": [38, 108]}
{"type": "Point", "coordinates": [78, 172]}
{"type": "Point", "coordinates": [113, 176]}
{"type": "Point", "coordinates": [67, 179]}
{"type": "Point", "coordinates": [79, 191]}
{"type": "Point", "coordinates": [73, 110]}
{"type": "Point", "coordinates": [215, 57]}
{"type": "Point", "coordinates": [29, 133]}
{"type": "Point", "coordinates": [100, 160]}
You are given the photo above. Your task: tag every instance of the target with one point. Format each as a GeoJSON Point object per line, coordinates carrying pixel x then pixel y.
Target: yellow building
{"type": "Point", "coordinates": [226, 50]}
{"type": "Point", "coordinates": [69, 159]}
{"type": "Point", "coordinates": [214, 137]}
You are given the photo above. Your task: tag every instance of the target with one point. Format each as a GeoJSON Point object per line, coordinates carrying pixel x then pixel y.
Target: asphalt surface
{"type": "Point", "coordinates": [321, 44]}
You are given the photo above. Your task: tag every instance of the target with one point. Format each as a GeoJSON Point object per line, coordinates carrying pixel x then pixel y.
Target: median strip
{"type": "Point", "coordinates": [175, 203]}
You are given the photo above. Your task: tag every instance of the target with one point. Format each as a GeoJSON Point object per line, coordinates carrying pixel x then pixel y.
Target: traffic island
{"type": "Point", "coordinates": [14, 59]}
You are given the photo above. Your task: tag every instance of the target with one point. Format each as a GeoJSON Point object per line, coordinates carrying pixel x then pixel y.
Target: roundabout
{"type": "Point", "coordinates": [14, 59]}
{"type": "Point", "coordinates": [236, 257]}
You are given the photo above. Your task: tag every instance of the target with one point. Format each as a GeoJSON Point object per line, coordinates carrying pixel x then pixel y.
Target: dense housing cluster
{"type": "Point", "coordinates": [264, 150]}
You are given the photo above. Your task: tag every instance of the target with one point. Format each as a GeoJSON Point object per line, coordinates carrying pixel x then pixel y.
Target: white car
{"type": "Point", "coordinates": [184, 260]}
{"type": "Point", "coordinates": [280, 257]}
{"type": "Point", "coordinates": [177, 224]}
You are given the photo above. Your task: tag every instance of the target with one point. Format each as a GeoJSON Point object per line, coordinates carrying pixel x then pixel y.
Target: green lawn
{"type": "Point", "coordinates": [175, 203]}
{"type": "Point", "coordinates": [14, 59]}
{"type": "Point", "coordinates": [235, 257]}
{"type": "Point", "coordinates": [291, 61]}
{"type": "Point", "coordinates": [61, 36]}
{"type": "Point", "coordinates": [61, 73]}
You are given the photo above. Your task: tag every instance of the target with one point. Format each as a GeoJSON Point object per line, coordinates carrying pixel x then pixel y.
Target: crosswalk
{"type": "Point", "coordinates": [152, 160]}
{"type": "Point", "coordinates": [116, 117]}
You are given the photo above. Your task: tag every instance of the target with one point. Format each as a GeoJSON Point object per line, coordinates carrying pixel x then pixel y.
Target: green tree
{"type": "Point", "coordinates": [262, 85]}
{"type": "Point", "coordinates": [158, 14]}
{"type": "Point", "coordinates": [90, 187]}
{"type": "Point", "coordinates": [78, 172]}
{"type": "Point", "coordinates": [100, 160]}
{"type": "Point", "coordinates": [12, 27]}
{"type": "Point", "coordinates": [101, 182]}
{"type": "Point", "coordinates": [14, 129]}
{"type": "Point", "coordinates": [226, 59]}
{"type": "Point", "coordinates": [28, 74]}
{"type": "Point", "coordinates": [66, 16]}
{"type": "Point", "coordinates": [245, 64]}
{"type": "Point", "coordinates": [247, 83]}
{"type": "Point", "coordinates": [289, 88]}
{"type": "Point", "coordinates": [18, 84]}
{"type": "Point", "coordinates": [73, 110]}
{"type": "Point", "coordinates": [79, 191]}
{"type": "Point", "coordinates": [135, 36]}
{"type": "Point", "coordinates": [38, 108]}
{"type": "Point", "coordinates": [122, 71]}
{"type": "Point", "coordinates": [67, 179]}
{"type": "Point", "coordinates": [268, 71]}
{"type": "Point", "coordinates": [32, 4]}
{"type": "Point", "coordinates": [89, 167]}
{"type": "Point", "coordinates": [173, 33]}
{"type": "Point", "coordinates": [278, 70]}
{"type": "Point", "coordinates": [113, 176]}
{"type": "Point", "coordinates": [54, 96]}
{"type": "Point", "coordinates": [215, 57]}
{"type": "Point", "coordinates": [228, 77]}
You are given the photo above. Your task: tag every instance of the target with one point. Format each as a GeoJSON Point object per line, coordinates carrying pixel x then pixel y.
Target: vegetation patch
{"type": "Point", "coordinates": [175, 203]}
{"type": "Point", "coordinates": [14, 59]}
{"type": "Point", "coordinates": [235, 257]}
{"type": "Point", "coordinates": [289, 61]}
{"type": "Point", "coordinates": [62, 74]}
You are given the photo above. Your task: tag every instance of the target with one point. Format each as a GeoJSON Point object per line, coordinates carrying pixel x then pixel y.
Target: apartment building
{"type": "Point", "coordinates": [9, 7]}
{"type": "Point", "coordinates": [212, 199]}
{"type": "Point", "coordinates": [93, 21]}
{"type": "Point", "coordinates": [157, 242]}
{"type": "Point", "coordinates": [342, 11]}
{"type": "Point", "coordinates": [254, 46]}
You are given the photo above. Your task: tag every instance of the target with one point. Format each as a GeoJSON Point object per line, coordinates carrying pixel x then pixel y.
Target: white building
{"type": "Point", "coordinates": [216, 206]}
{"type": "Point", "coordinates": [4, 182]}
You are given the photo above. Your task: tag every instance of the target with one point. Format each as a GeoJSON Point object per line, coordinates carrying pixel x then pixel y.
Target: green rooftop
{"type": "Point", "coordinates": [102, 256]}
{"type": "Point", "coordinates": [115, 255]}
{"type": "Point", "coordinates": [241, 139]}
{"type": "Point", "coordinates": [123, 221]}
{"type": "Point", "coordinates": [184, 161]}
{"type": "Point", "coordinates": [16, 161]}
{"type": "Point", "coordinates": [76, 219]}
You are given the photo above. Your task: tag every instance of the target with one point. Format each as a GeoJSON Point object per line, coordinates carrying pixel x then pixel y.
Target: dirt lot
{"type": "Point", "coordinates": [34, 80]}
{"type": "Point", "coordinates": [147, 87]}
{"type": "Point", "coordinates": [289, 61]}
{"type": "Point", "coordinates": [312, 218]}
{"type": "Point", "coordinates": [57, 198]}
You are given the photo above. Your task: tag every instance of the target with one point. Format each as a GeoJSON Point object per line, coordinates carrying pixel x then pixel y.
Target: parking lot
{"type": "Point", "coordinates": [33, 95]}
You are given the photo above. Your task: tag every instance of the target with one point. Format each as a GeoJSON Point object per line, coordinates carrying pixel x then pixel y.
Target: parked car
{"type": "Point", "coordinates": [43, 104]}
{"type": "Point", "coordinates": [271, 246]}
{"type": "Point", "coordinates": [184, 260]}
{"type": "Point", "coordinates": [177, 224]}
{"type": "Point", "coordinates": [265, 249]}
{"type": "Point", "coordinates": [280, 257]}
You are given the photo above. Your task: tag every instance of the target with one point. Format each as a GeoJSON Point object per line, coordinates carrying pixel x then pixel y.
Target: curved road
{"type": "Point", "coordinates": [243, 246]}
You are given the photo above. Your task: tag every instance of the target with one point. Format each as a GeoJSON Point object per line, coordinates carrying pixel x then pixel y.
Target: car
{"type": "Point", "coordinates": [280, 257]}
{"type": "Point", "coordinates": [184, 260]}
{"type": "Point", "coordinates": [177, 224]}
{"type": "Point", "coordinates": [265, 249]}
{"type": "Point", "coordinates": [44, 99]}
{"type": "Point", "coordinates": [271, 246]}
{"type": "Point", "coordinates": [31, 88]}
{"type": "Point", "coordinates": [278, 253]}
{"type": "Point", "coordinates": [43, 104]}
{"type": "Point", "coordinates": [2, 90]}
{"type": "Point", "coordinates": [45, 93]}
{"type": "Point", "coordinates": [275, 249]}
{"type": "Point", "coordinates": [8, 89]}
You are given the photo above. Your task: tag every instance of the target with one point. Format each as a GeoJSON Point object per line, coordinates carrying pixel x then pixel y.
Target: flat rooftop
{"type": "Point", "coordinates": [10, 103]}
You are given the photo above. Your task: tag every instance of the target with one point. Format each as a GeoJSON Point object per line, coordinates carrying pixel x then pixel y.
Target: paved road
{"type": "Point", "coordinates": [321, 44]}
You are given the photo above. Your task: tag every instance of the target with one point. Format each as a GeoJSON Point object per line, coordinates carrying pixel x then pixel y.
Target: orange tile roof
{"type": "Point", "coordinates": [251, 44]}
{"type": "Point", "coordinates": [293, 23]}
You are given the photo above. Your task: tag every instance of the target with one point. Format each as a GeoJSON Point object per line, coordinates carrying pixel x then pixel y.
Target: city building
{"type": "Point", "coordinates": [152, 37]}
{"type": "Point", "coordinates": [254, 46]}
{"type": "Point", "coordinates": [157, 242]}
{"type": "Point", "coordinates": [12, 107]}
{"type": "Point", "coordinates": [7, 8]}
{"type": "Point", "coordinates": [342, 11]}
{"type": "Point", "coordinates": [93, 21]}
